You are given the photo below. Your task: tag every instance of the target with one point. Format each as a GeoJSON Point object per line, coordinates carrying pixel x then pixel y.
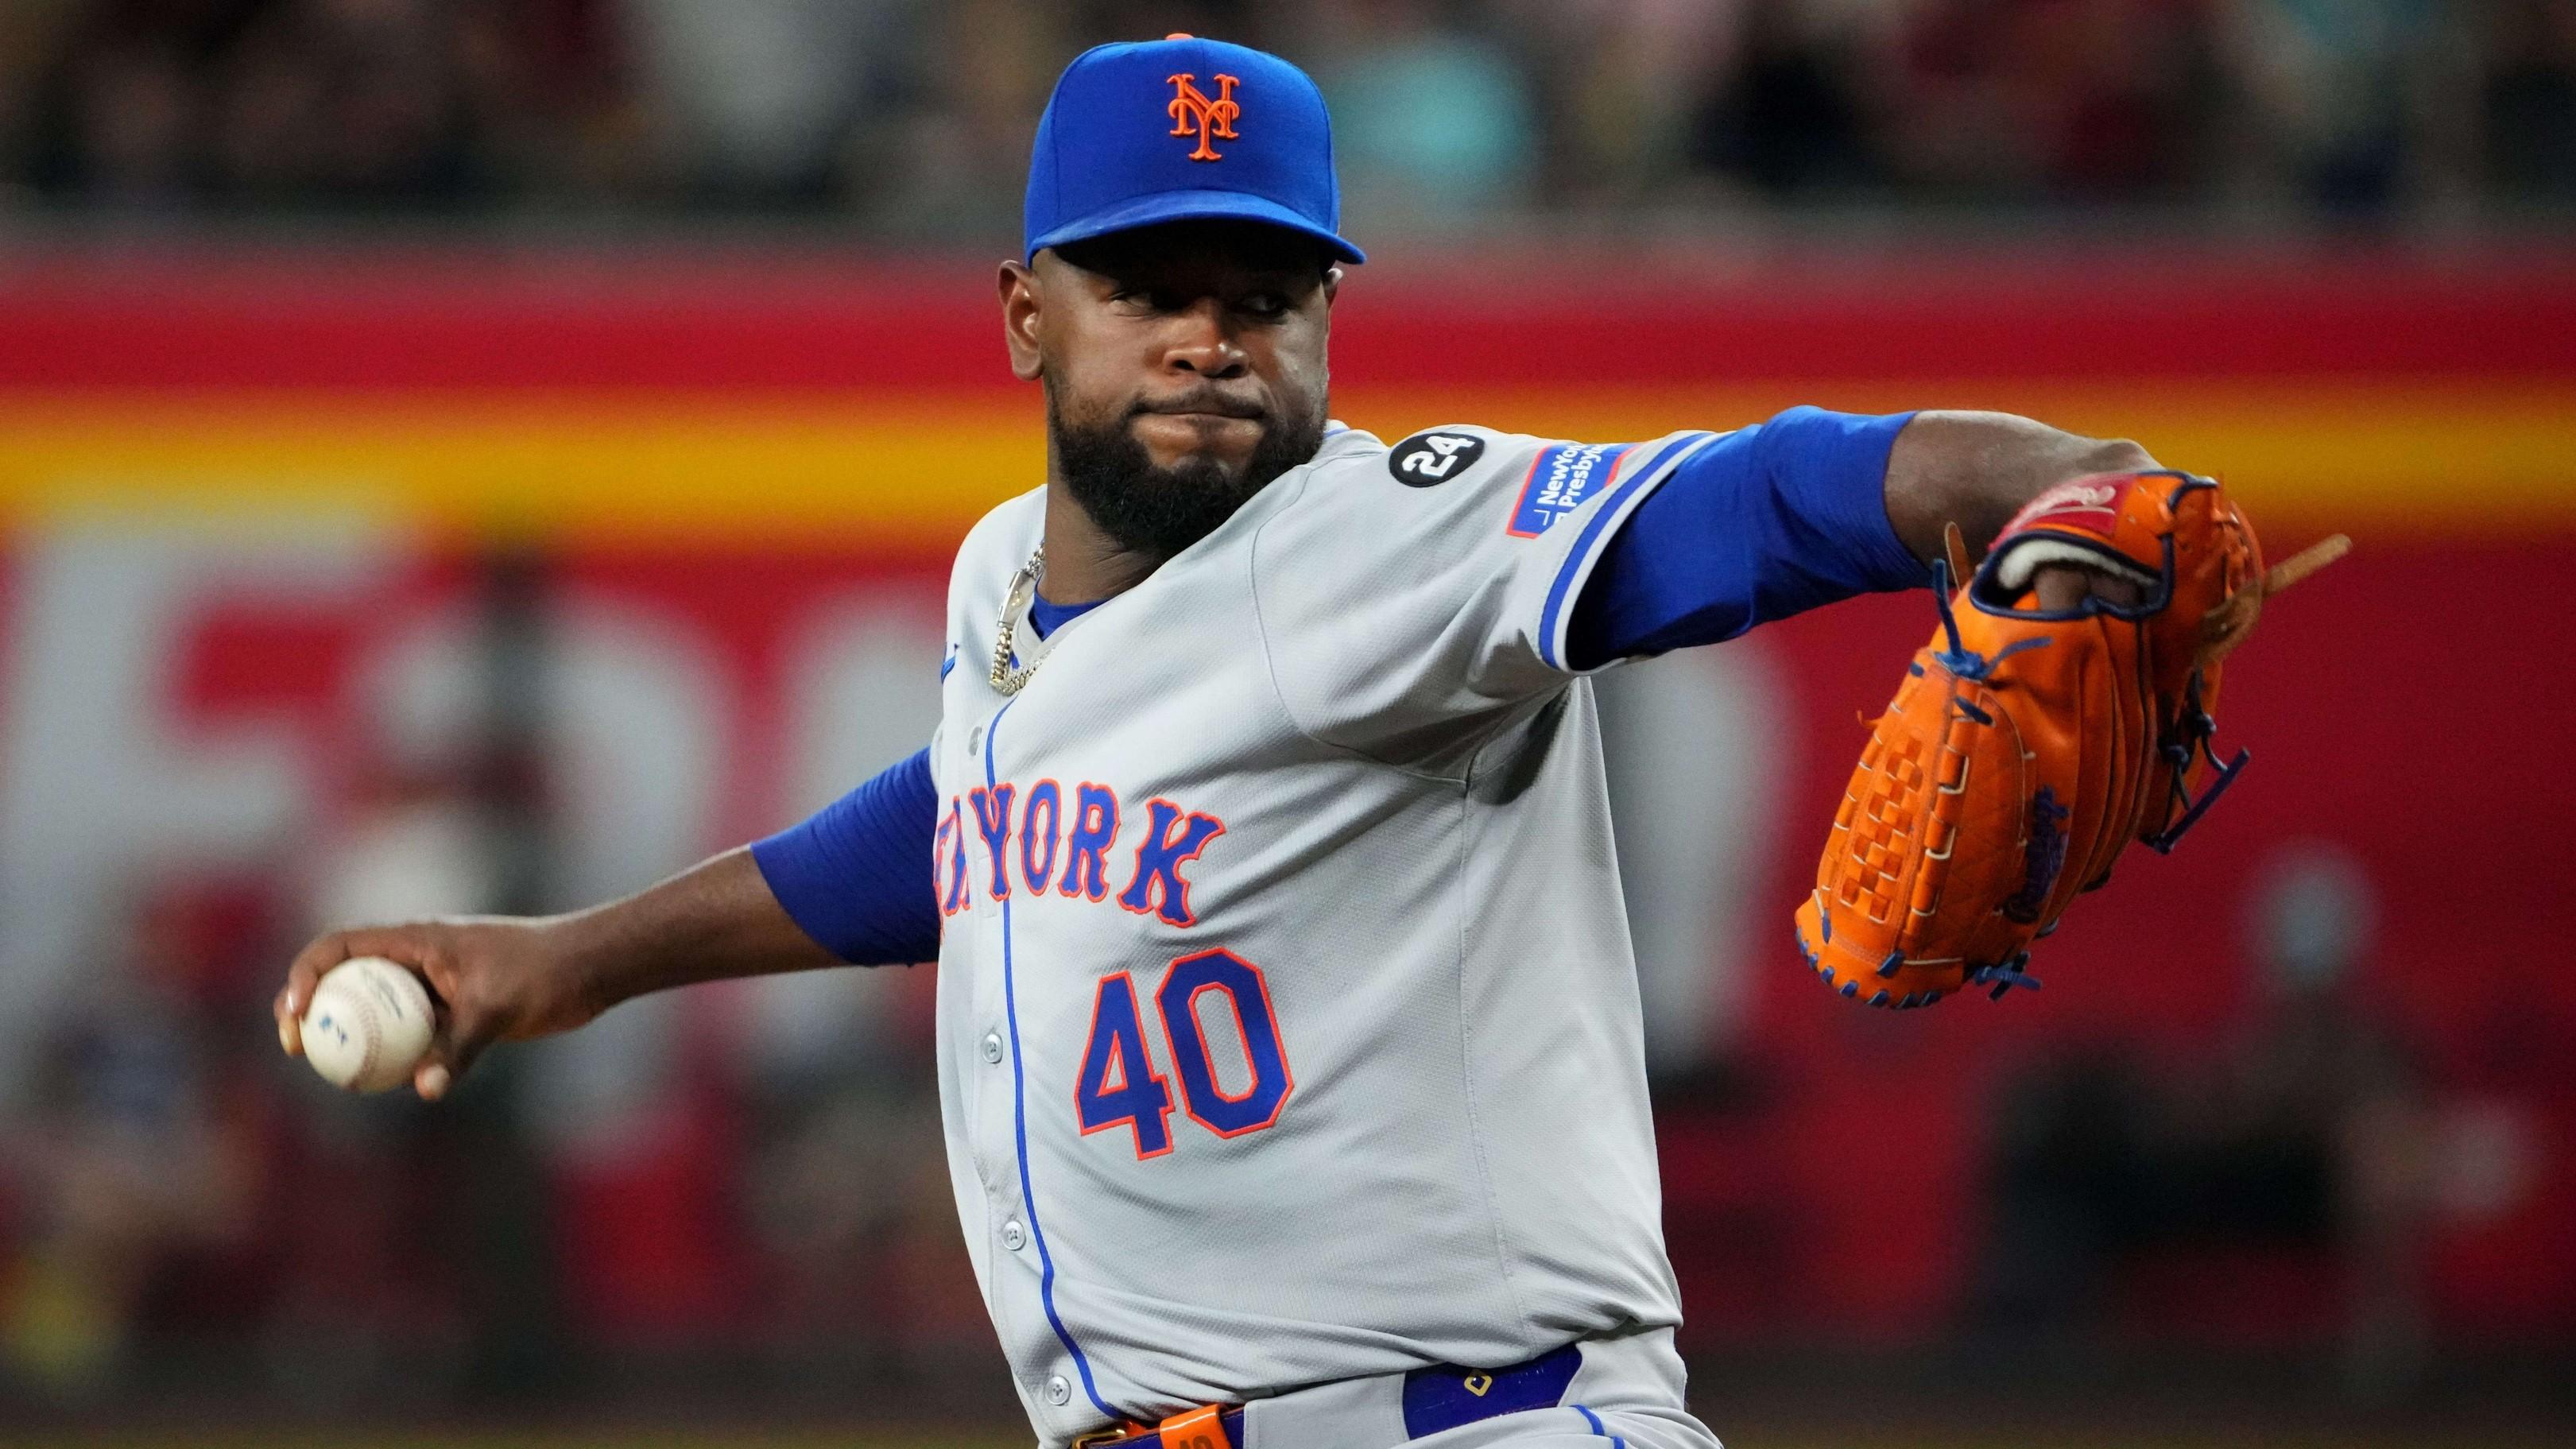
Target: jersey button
{"type": "Point", "coordinates": [1014, 1237]}
{"type": "Point", "coordinates": [992, 1046]}
{"type": "Point", "coordinates": [1059, 1392]}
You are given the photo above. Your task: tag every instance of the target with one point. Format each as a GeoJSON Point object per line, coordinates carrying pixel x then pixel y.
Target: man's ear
{"type": "Point", "coordinates": [1020, 307]}
{"type": "Point", "coordinates": [1332, 283]}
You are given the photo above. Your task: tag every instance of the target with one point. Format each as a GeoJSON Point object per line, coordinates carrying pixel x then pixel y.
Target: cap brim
{"type": "Point", "coordinates": [1166, 206]}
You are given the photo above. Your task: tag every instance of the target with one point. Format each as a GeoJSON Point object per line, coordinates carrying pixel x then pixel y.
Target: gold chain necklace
{"type": "Point", "coordinates": [1022, 593]}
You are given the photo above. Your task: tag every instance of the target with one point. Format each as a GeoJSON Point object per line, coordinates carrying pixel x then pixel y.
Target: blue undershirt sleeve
{"type": "Point", "coordinates": [856, 876]}
{"type": "Point", "coordinates": [1761, 524]}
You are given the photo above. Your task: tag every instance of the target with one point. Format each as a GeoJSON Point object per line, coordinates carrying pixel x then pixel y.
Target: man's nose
{"type": "Point", "coordinates": [1200, 342]}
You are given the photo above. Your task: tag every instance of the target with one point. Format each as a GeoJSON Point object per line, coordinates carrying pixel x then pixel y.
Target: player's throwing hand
{"type": "Point", "coordinates": [509, 979]}
{"type": "Point", "coordinates": [491, 979]}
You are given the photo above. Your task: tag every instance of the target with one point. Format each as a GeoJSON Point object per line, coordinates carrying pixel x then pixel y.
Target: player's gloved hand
{"type": "Point", "coordinates": [2062, 710]}
{"type": "Point", "coordinates": [491, 978]}
{"type": "Point", "coordinates": [2067, 586]}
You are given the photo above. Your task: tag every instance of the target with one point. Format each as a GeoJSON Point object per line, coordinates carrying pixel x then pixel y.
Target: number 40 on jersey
{"type": "Point", "coordinates": [1118, 1085]}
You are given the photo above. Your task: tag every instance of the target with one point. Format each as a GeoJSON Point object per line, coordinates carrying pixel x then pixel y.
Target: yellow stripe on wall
{"type": "Point", "coordinates": [869, 470]}
{"type": "Point", "coordinates": [2441, 459]}
{"type": "Point", "coordinates": [733, 470]}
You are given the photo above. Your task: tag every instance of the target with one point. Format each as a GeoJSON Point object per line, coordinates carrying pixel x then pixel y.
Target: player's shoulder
{"type": "Point", "coordinates": [1443, 476]}
{"type": "Point", "coordinates": [1428, 459]}
{"type": "Point", "coordinates": [995, 550]}
{"type": "Point", "coordinates": [1459, 452]}
{"type": "Point", "coordinates": [1009, 528]}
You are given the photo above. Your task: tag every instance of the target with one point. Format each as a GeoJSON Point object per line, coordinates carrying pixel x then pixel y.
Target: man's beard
{"type": "Point", "coordinates": [1157, 512]}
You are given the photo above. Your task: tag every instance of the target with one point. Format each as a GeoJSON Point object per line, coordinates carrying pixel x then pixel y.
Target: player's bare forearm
{"type": "Point", "coordinates": [1978, 469]}
{"type": "Point", "coordinates": [500, 978]}
{"type": "Point", "coordinates": [714, 921]}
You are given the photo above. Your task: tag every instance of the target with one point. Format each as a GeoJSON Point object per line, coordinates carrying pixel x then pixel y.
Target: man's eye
{"type": "Point", "coordinates": [1265, 304]}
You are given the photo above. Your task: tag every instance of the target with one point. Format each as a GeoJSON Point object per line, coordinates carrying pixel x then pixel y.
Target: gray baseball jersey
{"type": "Point", "coordinates": [1288, 1028]}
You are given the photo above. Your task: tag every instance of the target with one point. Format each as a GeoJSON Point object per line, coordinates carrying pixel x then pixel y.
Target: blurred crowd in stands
{"type": "Point", "coordinates": [910, 118]}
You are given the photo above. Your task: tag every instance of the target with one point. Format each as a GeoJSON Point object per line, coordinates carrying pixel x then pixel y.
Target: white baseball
{"type": "Point", "coordinates": [368, 1024]}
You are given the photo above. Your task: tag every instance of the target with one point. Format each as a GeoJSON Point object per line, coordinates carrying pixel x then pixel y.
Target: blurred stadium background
{"type": "Point", "coordinates": [483, 454]}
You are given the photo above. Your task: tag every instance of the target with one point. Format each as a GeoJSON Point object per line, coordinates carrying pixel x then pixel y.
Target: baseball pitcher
{"type": "Point", "coordinates": [1289, 1045]}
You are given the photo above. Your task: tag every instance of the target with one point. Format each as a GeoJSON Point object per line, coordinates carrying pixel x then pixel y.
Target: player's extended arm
{"type": "Point", "coordinates": [1977, 470]}
{"type": "Point", "coordinates": [850, 886]}
{"type": "Point", "coordinates": [1814, 506]}
{"type": "Point", "coordinates": [502, 978]}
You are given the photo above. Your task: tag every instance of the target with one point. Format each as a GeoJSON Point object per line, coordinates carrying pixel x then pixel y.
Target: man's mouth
{"type": "Point", "coordinates": [1210, 407]}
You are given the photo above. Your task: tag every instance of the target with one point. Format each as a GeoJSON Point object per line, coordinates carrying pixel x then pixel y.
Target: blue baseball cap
{"type": "Point", "coordinates": [1182, 129]}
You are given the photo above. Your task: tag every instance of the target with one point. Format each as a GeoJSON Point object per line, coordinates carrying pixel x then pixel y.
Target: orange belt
{"type": "Point", "coordinates": [1206, 1427]}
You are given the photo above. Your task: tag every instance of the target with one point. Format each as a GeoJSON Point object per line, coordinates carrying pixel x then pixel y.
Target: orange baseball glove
{"type": "Point", "coordinates": [2026, 748]}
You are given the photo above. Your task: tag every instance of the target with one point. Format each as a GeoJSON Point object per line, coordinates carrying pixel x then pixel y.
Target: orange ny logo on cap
{"type": "Point", "coordinates": [1192, 110]}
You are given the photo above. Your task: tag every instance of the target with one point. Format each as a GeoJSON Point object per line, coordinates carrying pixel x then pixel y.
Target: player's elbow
{"type": "Point", "coordinates": [2119, 455]}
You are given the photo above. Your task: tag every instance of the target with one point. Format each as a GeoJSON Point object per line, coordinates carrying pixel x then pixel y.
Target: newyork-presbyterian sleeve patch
{"type": "Point", "coordinates": [1560, 478]}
